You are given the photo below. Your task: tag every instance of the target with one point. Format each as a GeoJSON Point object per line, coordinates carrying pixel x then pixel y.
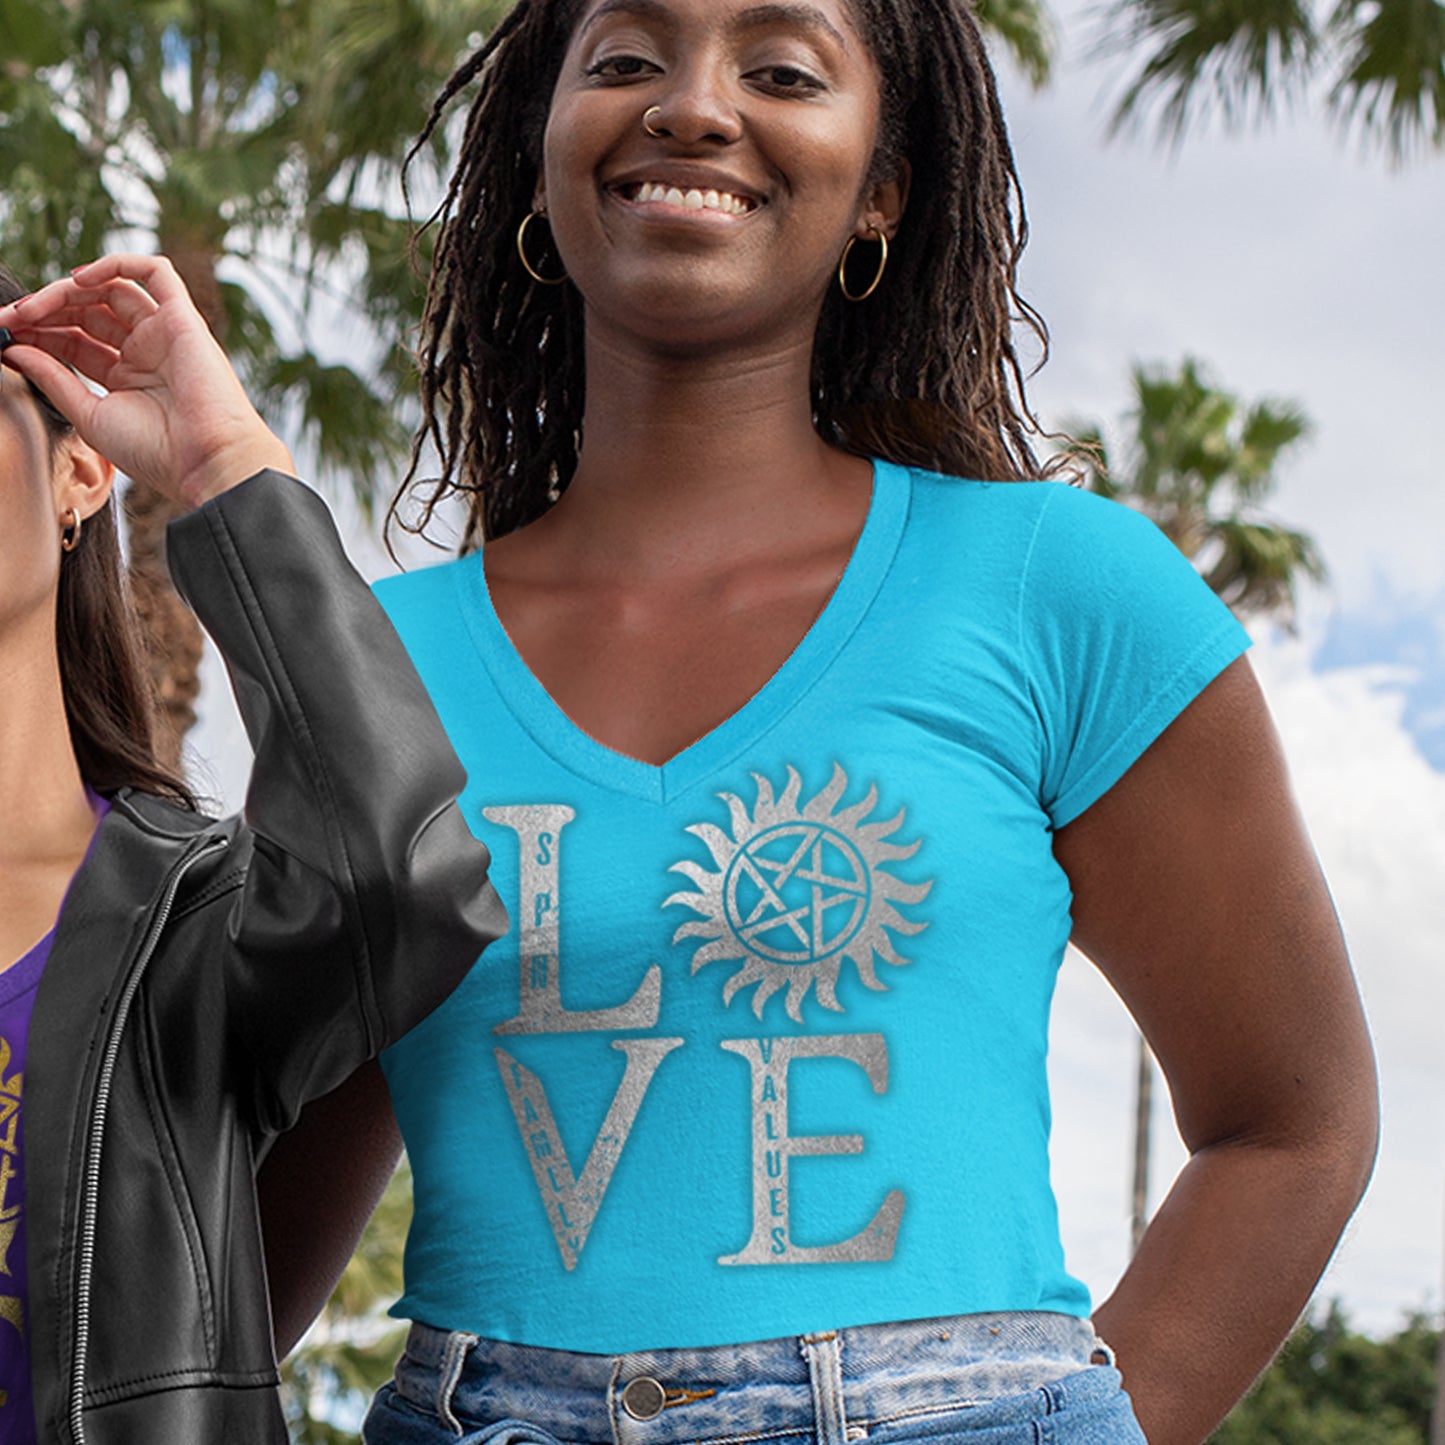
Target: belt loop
{"type": "Point", "coordinates": [824, 1356]}
{"type": "Point", "coordinates": [455, 1356]}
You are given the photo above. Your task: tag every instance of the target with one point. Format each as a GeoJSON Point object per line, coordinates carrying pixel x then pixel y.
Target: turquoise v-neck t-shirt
{"type": "Point", "coordinates": [763, 1051]}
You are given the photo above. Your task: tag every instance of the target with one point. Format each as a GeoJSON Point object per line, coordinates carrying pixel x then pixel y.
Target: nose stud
{"type": "Point", "coordinates": [647, 115]}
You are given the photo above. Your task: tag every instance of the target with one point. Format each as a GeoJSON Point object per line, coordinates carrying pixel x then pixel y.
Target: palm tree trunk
{"type": "Point", "coordinates": [1143, 1111]}
{"type": "Point", "coordinates": [173, 637]}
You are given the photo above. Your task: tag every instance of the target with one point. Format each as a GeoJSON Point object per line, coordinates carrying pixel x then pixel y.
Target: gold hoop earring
{"type": "Point", "coordinates": [647, 115]}
{"type": "Point", "coordinates": [70, 531]}
{"type": "Point", "coordinates": [843, 266]}
{"type": "Point", "coordinates": [531, 270]}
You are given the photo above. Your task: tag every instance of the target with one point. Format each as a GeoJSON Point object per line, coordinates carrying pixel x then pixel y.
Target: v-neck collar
{"type": "Point", "coordinates": [556, 734]}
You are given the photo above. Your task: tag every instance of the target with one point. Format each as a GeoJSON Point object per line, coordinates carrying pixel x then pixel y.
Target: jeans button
{"type": "Point", "coordinates": [644, 1398]}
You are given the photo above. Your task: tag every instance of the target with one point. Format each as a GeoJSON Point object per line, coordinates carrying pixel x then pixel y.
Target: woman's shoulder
{"type": "Point", "coordinates": [424, 584]}
{"type": "Point", "coordinates": [1054, 502]}
{"type": "Point", "coordinates": [1002, 525]}
{"type": "Point", "coordinates": [1049, 524]}
{"type": "Point", "coordinates": [428, 606]}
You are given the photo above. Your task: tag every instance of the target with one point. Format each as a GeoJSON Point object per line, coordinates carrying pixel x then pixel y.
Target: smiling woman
{"type": "Point", "coordinates": [773, 650]}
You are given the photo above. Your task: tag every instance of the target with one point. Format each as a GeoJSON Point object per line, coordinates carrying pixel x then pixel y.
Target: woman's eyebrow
{"type": "Point", "coordinates": [644, 9]}
{"type": "Point", "coordinates": [801, 16]}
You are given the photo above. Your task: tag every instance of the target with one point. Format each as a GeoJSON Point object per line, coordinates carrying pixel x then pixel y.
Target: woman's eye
{"type": "Point", "coordinates": [789, 78]}
{"type": "Point", "coordinates": [619, 66]}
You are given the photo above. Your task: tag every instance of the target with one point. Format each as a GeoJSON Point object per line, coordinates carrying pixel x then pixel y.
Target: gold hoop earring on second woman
{"type": "Point", "coordinates": [531, 270]}
{"type": "Point", "coordinates": [70, 530]}
{"type": "Point", "coordinates": [878, 277]}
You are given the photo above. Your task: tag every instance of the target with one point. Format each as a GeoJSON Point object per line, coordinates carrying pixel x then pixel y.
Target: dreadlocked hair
{"type": "Point", "coordinates": [924, 374]}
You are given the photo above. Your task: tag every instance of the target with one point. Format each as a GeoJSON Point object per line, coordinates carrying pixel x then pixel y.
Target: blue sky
{"type": "Point", "coordinates": [1408, 634]}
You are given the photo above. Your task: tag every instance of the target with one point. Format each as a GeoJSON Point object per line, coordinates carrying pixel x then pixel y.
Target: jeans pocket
{"type": "Point", "coordinates": [1086, 1408]}
{"type": "Point", "coordinates": [395, 1420]}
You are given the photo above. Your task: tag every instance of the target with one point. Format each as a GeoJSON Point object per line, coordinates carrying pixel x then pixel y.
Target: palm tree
{"type": "Point", "coordinates": [1380, 64]}
{"type": "Point", "coordinates": [1026, 29]}
{"type": "Point", "coordinates": [1202, 464]}
{"type": "Point", "coordinates": [250, 144]}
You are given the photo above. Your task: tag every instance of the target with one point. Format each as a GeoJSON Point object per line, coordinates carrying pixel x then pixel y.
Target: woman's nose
{"type": "Point", "coordinates": [697, 108]}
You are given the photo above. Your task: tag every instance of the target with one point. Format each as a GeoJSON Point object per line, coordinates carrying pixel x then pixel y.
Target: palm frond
{"type": "Point", "coordinates": [1238, 59]}
{"type": "Point", "coordinates": [33, 34]}
{"type": "Point", "coordinates": [1198, 462]}
{"type": "Point", "coordinates": [1027, 29]}
{"type": "Point", "coordinates": [1391, 85]}
{"type": "Point", "coordinates": [353, 428]}
{"type": "Point", "coordinates": [1254, 567]}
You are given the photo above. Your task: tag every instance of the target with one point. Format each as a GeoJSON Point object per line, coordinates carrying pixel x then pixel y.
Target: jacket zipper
{"type": "Point", "coordinates": [90, 1185]}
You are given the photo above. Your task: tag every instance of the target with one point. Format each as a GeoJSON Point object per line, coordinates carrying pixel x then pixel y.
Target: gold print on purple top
{"type": "Point", "coordinates": [12, 1307]}
{"type": "Point", "coordinates": [797, 892]}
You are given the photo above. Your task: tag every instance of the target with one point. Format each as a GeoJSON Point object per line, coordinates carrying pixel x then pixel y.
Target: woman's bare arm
{"type": "Point", "coordinates": [317, 1188]}
{"type": "Point", "coordinates": [1198, 895]}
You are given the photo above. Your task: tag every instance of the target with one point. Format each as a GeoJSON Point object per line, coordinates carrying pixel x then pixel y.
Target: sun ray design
{"type": "Point", "coordinates": [797, 892]}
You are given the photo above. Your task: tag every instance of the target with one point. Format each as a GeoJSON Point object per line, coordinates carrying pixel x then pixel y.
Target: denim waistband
{"type": "Point", "coordinates": [873, 1373]}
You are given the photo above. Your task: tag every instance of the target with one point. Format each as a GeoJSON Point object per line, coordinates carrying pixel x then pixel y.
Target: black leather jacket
{"type": "Point", "coordinates": [208, 979]}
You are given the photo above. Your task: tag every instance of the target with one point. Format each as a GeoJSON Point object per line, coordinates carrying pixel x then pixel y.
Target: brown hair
{"type": "Point", "coordinates": [108, 702]}
{"type": "Point", "coordinates": [925, 374]}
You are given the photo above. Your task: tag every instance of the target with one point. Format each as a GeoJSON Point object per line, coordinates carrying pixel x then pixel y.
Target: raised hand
{"type": "Point", "coordinates": [173, 414]}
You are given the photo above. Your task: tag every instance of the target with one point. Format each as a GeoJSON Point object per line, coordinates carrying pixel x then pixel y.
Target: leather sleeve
{"type": "Point", "coordinates": [366, 900]}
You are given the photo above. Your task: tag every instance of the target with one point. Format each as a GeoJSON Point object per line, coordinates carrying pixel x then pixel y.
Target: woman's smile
{"type": "Point", "coordinates": [673, 191]}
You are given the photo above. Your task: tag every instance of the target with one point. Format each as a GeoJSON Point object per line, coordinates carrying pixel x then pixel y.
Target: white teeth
{"type": "Point", "coordinates": [654, 192]}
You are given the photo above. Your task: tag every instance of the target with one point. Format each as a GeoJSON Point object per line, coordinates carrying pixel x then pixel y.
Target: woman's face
{"type": "Point", "coordinates": [29, 525]}
{"type": "Point", "coordinates": [40, 480]}
{"type": "Point", "coordinates": [730, 220]}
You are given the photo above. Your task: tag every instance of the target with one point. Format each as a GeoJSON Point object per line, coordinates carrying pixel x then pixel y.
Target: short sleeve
{"type": "Point", "coordinates": [1119, 634]}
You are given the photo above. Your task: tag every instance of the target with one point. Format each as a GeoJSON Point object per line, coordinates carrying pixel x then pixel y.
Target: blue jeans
{"type": "Point", "coordinates": [1008, 1379]}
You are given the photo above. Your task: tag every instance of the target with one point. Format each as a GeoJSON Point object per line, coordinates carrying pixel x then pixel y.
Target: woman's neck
{"type": "Point", "coordinates": [689, 459]}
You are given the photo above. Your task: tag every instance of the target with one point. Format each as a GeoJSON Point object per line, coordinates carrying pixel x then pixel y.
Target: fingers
{"type": "Point", "coordinates": [62, 388]}
{"type": "Point", "coordinates": [98, 321]}
{"type": "Point", "coordinates": [79, 349]}
{"type": "Point", "coordinates": [154, 276]}
{"type": "Point", "coordinates": [128, 288]}
{"type": "Point", "coordinates": [75, 346]}
{"type": "Point", "coordinates": [133, 286]}
{"type": "Point", "coordinates": [65, 303]}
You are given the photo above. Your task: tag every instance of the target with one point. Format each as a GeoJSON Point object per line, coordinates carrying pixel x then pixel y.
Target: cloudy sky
{"type": "Point", "coordinates": [1294, 267]}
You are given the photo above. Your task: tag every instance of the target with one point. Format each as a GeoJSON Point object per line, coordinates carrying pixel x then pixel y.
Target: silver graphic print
{"type": "Point", "coordinates": [797, 891]}
{"type": "Point", "coordinates": [572, 1203]}
{"type": "Point", "coordinates": [774, 1149]}
{"type": "Point", "coordinates": [539, 835]}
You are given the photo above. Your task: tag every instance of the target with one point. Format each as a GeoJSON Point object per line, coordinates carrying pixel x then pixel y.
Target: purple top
{"type": "Point", "coordinates": [18, 986]}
